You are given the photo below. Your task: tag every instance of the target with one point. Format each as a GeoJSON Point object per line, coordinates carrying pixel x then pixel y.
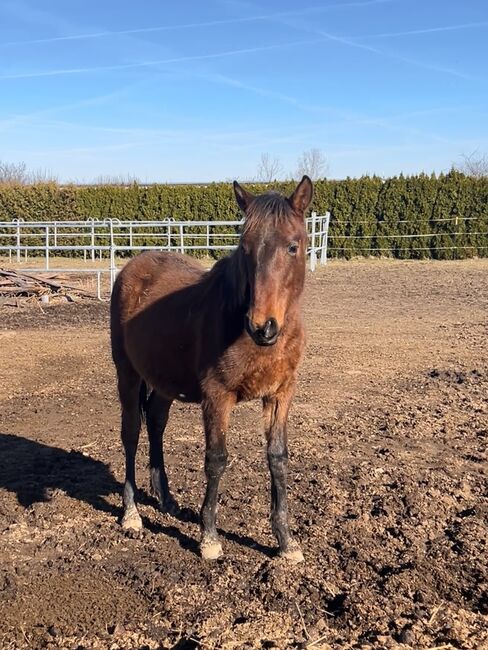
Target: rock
{"type": "Point", "coordinates": [53, 631]}
{"type": "Point", "coordinates": [407, 636]}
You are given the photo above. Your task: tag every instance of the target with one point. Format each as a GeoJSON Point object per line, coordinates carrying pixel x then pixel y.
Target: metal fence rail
{"type": "Point", "coordinates": [107, 239]}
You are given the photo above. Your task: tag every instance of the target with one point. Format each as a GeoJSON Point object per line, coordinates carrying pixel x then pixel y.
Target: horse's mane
{"type": "Point", "coordinates": [270, 207]}
{"type": "Point", "coordinates": [229, 274]}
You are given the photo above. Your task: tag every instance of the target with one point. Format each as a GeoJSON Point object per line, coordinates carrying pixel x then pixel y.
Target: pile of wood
{"type": "Point", "coordinates": [17, 287]}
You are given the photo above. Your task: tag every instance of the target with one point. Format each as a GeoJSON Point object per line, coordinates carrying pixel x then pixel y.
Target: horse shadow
{"type": "Point", "coordinates": [34, 472]}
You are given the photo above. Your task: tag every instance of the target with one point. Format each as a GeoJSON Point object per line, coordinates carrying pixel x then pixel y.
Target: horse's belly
{"type": "Point", "coordinates": [173, 386]}
{"type": "Point", "coordinates": [165, 365]}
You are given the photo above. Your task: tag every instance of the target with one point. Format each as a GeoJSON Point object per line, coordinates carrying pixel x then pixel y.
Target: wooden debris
{"type": "Point", "coordinates": [17, 284]}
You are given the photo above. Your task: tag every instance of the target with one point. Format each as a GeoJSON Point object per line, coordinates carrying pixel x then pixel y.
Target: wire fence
{"type": "Point", "coordinates": [430, 236]}
{"type": "Point", "coordinates": [444, 237]}
{"type": "Point", "coordinates": [457, 219]}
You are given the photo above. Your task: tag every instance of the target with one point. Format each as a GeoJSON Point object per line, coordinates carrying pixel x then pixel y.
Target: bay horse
{"type": "Point", "coordinates": [215, 337]}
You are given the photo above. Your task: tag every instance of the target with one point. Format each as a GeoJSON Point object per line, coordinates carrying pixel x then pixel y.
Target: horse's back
{"type": "Point", "coordinates": [152, 276]}
{"type": "Point", "coordinates": [151, 300]}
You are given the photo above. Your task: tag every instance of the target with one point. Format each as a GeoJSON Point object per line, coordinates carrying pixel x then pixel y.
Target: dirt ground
{"type": "Point", "coordinates": [388, 483]}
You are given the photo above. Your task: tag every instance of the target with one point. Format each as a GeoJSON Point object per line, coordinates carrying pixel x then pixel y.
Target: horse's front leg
{"type": "Point", "coordinates": [216, 408]}
{"type": "Point", "coordinates": [275, 411]}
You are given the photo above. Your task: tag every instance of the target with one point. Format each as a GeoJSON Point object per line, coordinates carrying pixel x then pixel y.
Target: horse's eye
{"type": "Point", "coordinates": [293, 248]}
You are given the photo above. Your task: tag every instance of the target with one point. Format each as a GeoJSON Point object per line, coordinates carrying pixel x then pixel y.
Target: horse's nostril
{"type": "Point", "coordinates": [270, 328]}
{"type": "Point", "coordinates": [265, 334]}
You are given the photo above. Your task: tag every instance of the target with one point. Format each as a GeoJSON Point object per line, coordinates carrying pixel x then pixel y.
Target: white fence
{"type": "Point", "coordinates": [107, 239]}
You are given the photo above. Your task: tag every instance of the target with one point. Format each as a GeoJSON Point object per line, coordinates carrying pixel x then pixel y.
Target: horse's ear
{"type": "Point", "coordinates": [302, 196]}
{"type": "Point", "coordinates": [243, 197]}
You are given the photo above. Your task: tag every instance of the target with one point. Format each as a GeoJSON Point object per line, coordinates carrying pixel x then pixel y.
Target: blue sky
{"type": "Point", "coordinates": [197, 91]}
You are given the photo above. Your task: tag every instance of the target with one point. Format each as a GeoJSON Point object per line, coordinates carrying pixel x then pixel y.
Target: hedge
{"type": "Point", "coordinates": [407, 217]}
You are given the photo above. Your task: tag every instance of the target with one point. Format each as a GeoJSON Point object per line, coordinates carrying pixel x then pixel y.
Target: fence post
{"type": "Point", "coordinates": [18, 239]}
{"type": "Point", "coordinates": [55, 237]}
{"type": "Point", "coordinates": [325, 240]}
{"type": "Point", "coordinates": [182, 240]}
{"type": "Point", "coordinates": [113, 269]}
{"type": "Point", "coordinates": [313, 254]}
{"type": "Point", "coordinates": [93, 240]}
{"type": "Point", "coordinates": [47, 248]}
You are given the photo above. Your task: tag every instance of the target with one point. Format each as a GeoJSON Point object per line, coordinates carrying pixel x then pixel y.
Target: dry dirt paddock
{"type": "Point", "coordinates": [388, 483]}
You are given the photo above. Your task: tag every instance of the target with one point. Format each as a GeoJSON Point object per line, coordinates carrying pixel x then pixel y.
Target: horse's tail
{"type": "Point", "coordinates": [143, 400]}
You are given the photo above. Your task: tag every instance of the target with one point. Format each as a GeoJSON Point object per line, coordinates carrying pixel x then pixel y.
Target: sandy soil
{"type": "Point", "coordinates": [388, 483]}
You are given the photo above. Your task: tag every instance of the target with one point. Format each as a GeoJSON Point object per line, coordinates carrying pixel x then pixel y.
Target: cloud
{"type": "Point", "coordinates": [263, 92]}
{"type": "Point", "coordinates": [84, 151]}
{"type": "Point", "coordinates": [344, 117]}
{"type": "Point", "coordinates": [24, 118]}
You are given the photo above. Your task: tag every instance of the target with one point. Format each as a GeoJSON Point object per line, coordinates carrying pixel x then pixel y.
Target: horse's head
{"type": "Point", "coordinates": [273, 246]}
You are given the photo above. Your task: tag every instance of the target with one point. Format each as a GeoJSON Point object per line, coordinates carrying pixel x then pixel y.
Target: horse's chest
{"type": "Point", "coordinates": [263, 377]}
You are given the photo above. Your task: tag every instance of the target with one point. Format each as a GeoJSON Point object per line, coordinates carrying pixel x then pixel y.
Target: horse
{"type": "Point", "coordinates": [214, 337]}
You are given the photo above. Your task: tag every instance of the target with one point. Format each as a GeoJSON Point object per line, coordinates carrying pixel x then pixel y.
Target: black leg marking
{"type": "Point", "coordinates": [131, 425]}
{"type": "Point", "coordinates": [216, 412]}
{"type": "Point", "coordinates": [278, 463]}
{"type": "Point", "coordinates": [276, 415]}
{"type": "Point", "coordinates": [157, 417]}
{"type": "Point", "coordinates": [215, 464]}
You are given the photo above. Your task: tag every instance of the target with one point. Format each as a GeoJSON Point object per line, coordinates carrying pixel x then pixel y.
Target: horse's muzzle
{"type": "Point", "coordinates": [266, 334]}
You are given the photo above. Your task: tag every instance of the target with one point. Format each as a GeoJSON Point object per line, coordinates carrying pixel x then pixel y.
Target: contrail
{"type": "Point", "coordinates": [144, 64]}
{"type": "Point", "coordinates": [388, 55]}
{"type": "Point", "coordinates": [427, 30]}
{"type": "Point", "coordinates": [209, 23]}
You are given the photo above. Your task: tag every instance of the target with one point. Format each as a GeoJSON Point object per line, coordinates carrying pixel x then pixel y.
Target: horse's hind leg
{"type": "Point", "coordinates": [157, 417]}
{"type": "Point", "coordinates": [129, 386]}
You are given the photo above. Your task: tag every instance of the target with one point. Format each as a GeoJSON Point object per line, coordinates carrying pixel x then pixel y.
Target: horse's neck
{"type": "Point", "coordinates": [227, 280]}
{"type": "Point", "coordinates": [237, 290]}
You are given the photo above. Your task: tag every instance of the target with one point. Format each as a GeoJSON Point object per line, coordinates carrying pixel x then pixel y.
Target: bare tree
{"type": "Point", "coordinates": [269, 168]}
{"type": "Point", "coordinates": [313, 163]}
{"type": "Point", "coordinates": [474, 164]}
{"type": "Point", "coordinates": [116, 179]}
{"type": "Point", "coordinates": [41, 176]}
{"type": "Point", "coordinates": [18, 174]}
{"type": "Point", "coordinates": [15, 173]}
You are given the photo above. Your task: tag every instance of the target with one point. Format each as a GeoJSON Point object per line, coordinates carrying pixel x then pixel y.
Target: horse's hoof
{"type": "Point", "coordinates": [293, 554]}
{"type": "Point", "coordinates": [211, 549]}
{"type": "Point", "coordinates": [170, 507]}
{"type": "Point", "coordinates": [132, 523]}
